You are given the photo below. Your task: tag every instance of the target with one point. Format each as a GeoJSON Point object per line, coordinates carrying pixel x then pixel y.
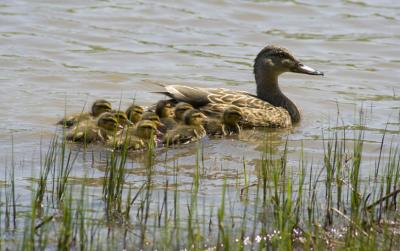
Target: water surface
{"type": "Point", "coordinates": [58, 57]}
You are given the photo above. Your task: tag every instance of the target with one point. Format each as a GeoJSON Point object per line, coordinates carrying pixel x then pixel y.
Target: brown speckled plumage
{"type": "Point", "coordinates": [269, 108]}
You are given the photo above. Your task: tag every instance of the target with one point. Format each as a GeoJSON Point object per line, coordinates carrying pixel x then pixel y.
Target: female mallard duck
{"type": "Point", "coordinates": [269, 108]}
{"type": "Point", "coordinates": [139, 137]}
{"type": "Point", "coordinates": [165, 111]}
{"type": "Point", "coordinates": [192, 130]}
{"type": "Point", "coordinates": [180, 109]}
{"type": "Point", "coordinates": [134, 113]}
{"type": "Point", "coordinates": [99, 107]}
{"type": "Point", "coordinates": [88, 132]}
{"type": "Point", "coordinates": [227, 125]}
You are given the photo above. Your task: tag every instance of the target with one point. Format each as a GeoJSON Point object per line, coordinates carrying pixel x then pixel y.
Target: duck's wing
{"type": "Point", "coordinates": [271, 116]}
{"type": "Point", "coordinates": [214, 101]}
{"type": "Point", "coordinates": [198, 97]}
{"type": "Point", "coordinates": [192, 95]}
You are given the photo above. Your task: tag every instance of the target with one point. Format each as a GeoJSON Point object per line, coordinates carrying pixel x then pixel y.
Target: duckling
{"type": "Point", "coordinates": [88, 132]}
{"type": "Point", "coordinates": [227, 125]}
{"type": "Point", "coordinates": [165, 112]}
{"type": "Point", "coordinates": [152, 116]}
{"type": "Point", "coordinates": [139, 137]}
{"type": "Point", "coordinates": [134, 113]}
{"type": "Point", "coordinates": [180, 109]}
{"type": "Point", "coordinates": [191, 131]}
{"type": "Point", "coordinates": [122, 118]}
{"type": "Point", "coordinates": [99, 107]}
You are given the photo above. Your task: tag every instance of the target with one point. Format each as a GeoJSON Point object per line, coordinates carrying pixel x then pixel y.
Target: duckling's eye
{"type": "Point", "coordinates": [111, 122]}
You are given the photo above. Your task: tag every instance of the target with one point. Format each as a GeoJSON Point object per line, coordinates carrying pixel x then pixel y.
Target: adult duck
{"type": "Point", "coordinates": [268, 108]}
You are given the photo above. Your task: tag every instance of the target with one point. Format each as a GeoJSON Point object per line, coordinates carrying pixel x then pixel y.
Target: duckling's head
{"type": "Point", "coordinates": [232, 115]}
{"type": "Point", "coordinates": [275, 60]}
{"type": "Point", "coordinates": [100, 106]}
{"type": "Point", "coordinates": [134, 113]}
{"type": "Point", "coordinates": [164, 109]}
{"type": "Point", "coordinates": [153, 117]}
{"type": "Point", "coordinates": [108, 121]}
{"type": "Point", "coordinates": [194, 117]}
{"type": "Point", "coordinates": [146, 129]}
{"type": "Point", "coordinates": [121, 118]}
{"type": "Point", "coordinates": [180, 109]}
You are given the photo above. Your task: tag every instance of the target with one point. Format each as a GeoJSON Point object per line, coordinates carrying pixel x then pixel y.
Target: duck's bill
{"type": "Point", "coordinates": [301, 68]}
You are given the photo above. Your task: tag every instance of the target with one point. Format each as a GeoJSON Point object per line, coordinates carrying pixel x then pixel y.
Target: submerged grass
{"type": "Point", "coordinates": [331, 203]}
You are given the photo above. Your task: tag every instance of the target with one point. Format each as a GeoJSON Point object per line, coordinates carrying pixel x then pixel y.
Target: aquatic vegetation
{"type": "Point", "coordinates": [275, 204]}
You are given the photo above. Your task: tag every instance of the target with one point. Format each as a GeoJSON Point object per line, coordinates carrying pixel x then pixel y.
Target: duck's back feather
{"type": "Point", "coordinates": [273, 117]}
{"type": "Point", "coordinates": [202, 96]}
{"type": "Point", "coordinates": [213, 102]}
{"type": "Point", "coordinates": [194, 96]}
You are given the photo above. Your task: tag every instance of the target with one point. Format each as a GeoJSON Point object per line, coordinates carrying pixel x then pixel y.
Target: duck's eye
{"type": "Point", "coordinates": [104, 107]}
{"type": "Point", "coordinates": [287, 62]}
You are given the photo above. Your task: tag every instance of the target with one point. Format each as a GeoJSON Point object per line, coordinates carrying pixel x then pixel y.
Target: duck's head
{"type": "Point", "coordinates": [154, 118]}
{"type": "Point", "coordinates": [164, 109]}
{"type": "Point", "coordinates": [146, 129]}
{"type": "Point", "coordinates": [134, 113]}
{"type": "Point", "coordinates": [277, 60]}
{"type": "Point", "coordinates": [108, 121]}
{"type": "Point", "coordinates": [121, 118]}
{"type": "Point", "coordinates": [194, 117]}
{"type": "Point", "coordinates": [100, 106]}
{"type": "Point", "coordinates": [232, 115]}
{"type": "Point", "coordinates": [180, 109]}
